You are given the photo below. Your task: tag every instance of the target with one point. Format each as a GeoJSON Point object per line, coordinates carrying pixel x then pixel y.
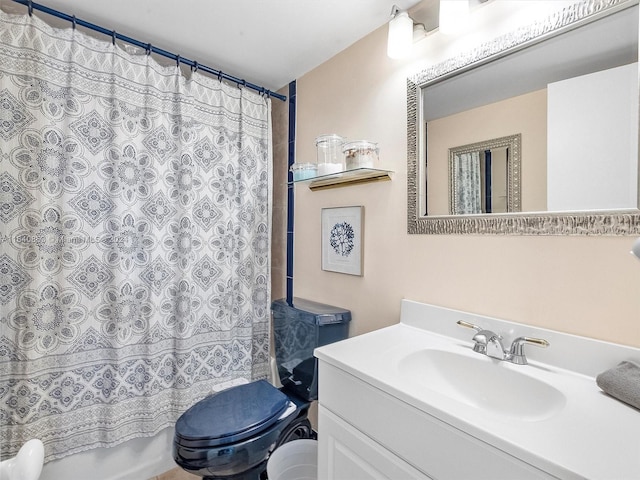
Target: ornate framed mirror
{"type": "Point", "coordinates": [578, 153]}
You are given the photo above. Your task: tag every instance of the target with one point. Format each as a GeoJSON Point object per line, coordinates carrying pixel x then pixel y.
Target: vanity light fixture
{"type": "Point", "coordinates": [635, 249]}
{"type": "Point", "coordinates": [454, 16]}
{"type": "Point", "coordinates": [402, 33]}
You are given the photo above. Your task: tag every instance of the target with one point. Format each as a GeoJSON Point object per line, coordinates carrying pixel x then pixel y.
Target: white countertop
{"type": "Point", "coordinates": [591, 436]}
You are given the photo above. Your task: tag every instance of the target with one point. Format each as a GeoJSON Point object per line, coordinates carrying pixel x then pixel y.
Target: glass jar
{"type": "Point", "coordinates": [329, 152]}
{"type": "Point", "coordinates": [360, 154]}
{"type": "Point", "coordinates": [303, 171]}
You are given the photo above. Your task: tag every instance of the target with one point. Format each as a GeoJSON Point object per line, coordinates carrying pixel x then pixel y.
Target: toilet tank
{"type": "Point", "coordinates": [298, 329]}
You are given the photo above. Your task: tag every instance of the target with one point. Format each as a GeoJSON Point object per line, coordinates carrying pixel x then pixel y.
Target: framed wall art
{"type": "Point", "coordinates": [342, 235]}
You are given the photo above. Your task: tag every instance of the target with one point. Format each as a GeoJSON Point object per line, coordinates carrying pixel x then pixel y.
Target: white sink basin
{"type": "Point", "coordinates": [483, 383]}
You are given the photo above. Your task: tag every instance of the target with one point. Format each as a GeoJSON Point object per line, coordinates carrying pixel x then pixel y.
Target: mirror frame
{"type": "Point", "coordinates": [512, 143]}
{"type": "Point", "coordinates": [619, 222]}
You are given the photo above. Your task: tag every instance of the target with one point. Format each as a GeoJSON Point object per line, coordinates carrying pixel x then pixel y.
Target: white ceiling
{"type": "Point", "coordinates": [266, 42]}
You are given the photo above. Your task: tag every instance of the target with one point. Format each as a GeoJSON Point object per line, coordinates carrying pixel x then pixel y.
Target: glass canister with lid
{"type": "Point", "coordinates": [303, 171]}
{"type": "Point", "coordinates": [329, 151]}
{"type": "Point", "coordinates": [360, 154]}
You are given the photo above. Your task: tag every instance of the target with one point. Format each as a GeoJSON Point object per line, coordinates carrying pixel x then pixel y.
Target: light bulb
{"type": "Point", "coordinates": [400, 36]}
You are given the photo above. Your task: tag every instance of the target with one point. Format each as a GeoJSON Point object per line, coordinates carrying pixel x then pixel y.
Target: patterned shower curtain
{"type": "Point", "coordinates": [134, 243]}
{"type": "Point", "coordinates": [467, 184]}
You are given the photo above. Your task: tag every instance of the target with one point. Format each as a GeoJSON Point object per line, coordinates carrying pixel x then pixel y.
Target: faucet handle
{"type": "Point", "coordinates": [480, 339]}
{"type": "Point", "coordinates": [516, 352]}
{"type": "Point", "coordinates": [462, 323]}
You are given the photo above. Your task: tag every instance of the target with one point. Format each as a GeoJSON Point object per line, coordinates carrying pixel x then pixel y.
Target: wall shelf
{"type": "Point", "coordinates": [349, 177]}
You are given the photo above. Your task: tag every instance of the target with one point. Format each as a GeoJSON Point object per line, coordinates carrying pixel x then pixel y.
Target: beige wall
{"type": "Point", "coordinates": [583, 285]}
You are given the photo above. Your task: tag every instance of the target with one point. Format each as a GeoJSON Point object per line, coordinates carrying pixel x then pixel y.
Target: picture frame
{"type": "Point", "coordinates": [342, 240]}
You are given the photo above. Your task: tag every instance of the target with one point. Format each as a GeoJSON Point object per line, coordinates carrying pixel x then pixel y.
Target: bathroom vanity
{"type": "Point", "coordinates": [415, 401]}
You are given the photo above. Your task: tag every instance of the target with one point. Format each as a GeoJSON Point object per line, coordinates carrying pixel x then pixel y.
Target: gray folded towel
{"type": "Point", "coordinates": [622, 382]}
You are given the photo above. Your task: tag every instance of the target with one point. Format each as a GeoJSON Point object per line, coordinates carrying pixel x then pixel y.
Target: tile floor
{"type": "Point", "coordinates": [176, 474]}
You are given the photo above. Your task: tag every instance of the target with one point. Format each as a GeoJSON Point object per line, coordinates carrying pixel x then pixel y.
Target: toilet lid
{"type": "Point", "coordinates": [231, 415]}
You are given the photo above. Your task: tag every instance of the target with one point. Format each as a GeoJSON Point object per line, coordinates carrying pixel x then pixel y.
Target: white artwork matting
{"type": "Point", "coordinates": [342, 239]}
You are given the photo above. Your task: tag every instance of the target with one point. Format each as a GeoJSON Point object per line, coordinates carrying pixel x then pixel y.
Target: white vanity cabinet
{"type": "Point", "coordinates": [365, 433]}
{"type": "Point", "coordinates": [415, 401]}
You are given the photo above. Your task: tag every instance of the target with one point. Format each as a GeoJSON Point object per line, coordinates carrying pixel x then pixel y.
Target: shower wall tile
{"type": "Point", "coordinates": [280, 132]}
{"type": "Point", "coordinates": [280, 118]}
{"type": "Point", "coordinates": [278, 283]}
{"type": "Point", "coordinates": [280, 170]}
{"type": "Point", "coordinates": [279, 239]}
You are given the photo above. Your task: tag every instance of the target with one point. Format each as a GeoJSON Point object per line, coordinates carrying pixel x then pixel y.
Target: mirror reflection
{"type": "Point", "coordinates": [573, 97]}
{"type": "Point", "coordinates": [484, 177]}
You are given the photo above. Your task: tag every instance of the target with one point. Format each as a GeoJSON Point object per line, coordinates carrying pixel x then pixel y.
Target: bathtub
{"type": "Point", "coordinates": [137, 459]}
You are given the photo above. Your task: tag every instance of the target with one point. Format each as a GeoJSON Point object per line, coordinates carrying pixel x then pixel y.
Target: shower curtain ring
{"type": "Point", "coordinates": [30, 7]}
{"type": "Point", "coordinates": [219, 75]}
{"type": "Point", "coordinates": [178, 61]}
{"type": "Point", "coordinates": [113, 38]}
{"type": "Point", "coordinates": [73, 22]}
{"type": "Point", "coordinates": [194, 67]}
{"type": "Point", "coordinates": [149, 48]}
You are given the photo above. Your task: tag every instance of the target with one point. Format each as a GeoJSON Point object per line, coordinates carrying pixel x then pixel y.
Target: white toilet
{"type": "Point", "coordinates": [26, 465]}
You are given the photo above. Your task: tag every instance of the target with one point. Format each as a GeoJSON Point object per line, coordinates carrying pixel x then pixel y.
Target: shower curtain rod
{"type": "Point", "coordinates": [148, 47]}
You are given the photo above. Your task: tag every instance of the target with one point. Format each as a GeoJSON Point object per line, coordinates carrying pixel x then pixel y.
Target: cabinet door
{"type": "Point", "coordinates": [345, 453]}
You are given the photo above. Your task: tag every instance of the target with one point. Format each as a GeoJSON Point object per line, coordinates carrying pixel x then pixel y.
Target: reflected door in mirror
{"type": "Point", "coordinates": [484, 177]}
{"type": "Point", "coordinates": [478, 181]}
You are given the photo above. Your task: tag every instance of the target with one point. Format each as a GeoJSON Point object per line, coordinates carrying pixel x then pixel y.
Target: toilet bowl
{"type": "Point", "coordinates": [26, 465]}
{"type": "Point", "coordinates": [231, 434]}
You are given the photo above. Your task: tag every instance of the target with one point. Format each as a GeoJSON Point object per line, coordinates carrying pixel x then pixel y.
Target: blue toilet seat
{"type": "Point", "coordinates": [248, 409]}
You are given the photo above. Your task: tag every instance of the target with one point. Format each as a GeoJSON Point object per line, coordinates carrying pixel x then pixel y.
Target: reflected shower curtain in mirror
{"type": "Point", "coordinates": [467, 184]}
{"type": "Point", "coordinates": [135, 222]}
